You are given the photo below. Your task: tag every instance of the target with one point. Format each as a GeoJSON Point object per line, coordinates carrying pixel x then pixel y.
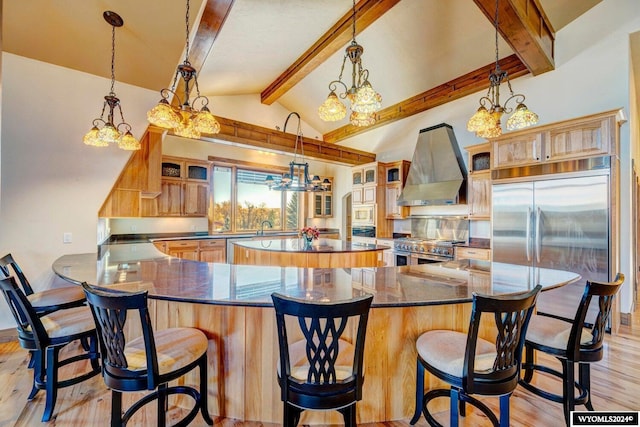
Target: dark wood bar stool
{"type": "Point", "coordinates": [47, 301]}
{"type": "Point", "coordinates": [323, 371]}
{"type": "Point", "coordinates": [571, 342]}
{"type": "Point", "coordinates": [472, 365]}
{"type": "Point", "coordinates": [45, 336]}
{"type": "Point", "coordinates": [148, 362]}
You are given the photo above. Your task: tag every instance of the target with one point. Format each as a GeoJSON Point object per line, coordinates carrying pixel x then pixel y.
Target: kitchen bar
{"type": "Point", "coordinates": [232, 305]}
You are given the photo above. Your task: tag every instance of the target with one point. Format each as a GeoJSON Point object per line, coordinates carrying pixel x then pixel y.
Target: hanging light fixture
{"type": "Point", "coordinates": [365, 101]}
{"type": "Point", "coordinates": [297, 179]}
{"type": "Point", "coordinates": [185, 120]}
{"type": "Point", "coordinates": [486, 122]}
{"type": "Point", "coordinates": [104, 131]}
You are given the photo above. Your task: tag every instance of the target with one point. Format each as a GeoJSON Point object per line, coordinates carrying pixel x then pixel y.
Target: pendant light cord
{"type": "Point", "coordinates": [496, 26]}
{"type": "Point", "coordinates": [113, 59]}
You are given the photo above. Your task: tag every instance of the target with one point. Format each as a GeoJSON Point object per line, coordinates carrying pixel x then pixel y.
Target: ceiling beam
{"type": "Point", "coordinates": [367, 12]}
{"type": "Point", "coordinates": [271, 139]}
{"type": "Point", "coordinates": [457, 88]}
{"type": "Point", "coordinates": [213, 17]}
{"type": "Point", "coordinates": [526, 28]}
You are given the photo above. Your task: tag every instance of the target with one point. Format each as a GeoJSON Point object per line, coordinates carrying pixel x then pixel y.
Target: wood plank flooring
{"type": "Point", "coordinates": [615, 386]}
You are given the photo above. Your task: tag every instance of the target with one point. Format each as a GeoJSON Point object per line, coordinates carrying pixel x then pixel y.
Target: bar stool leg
{"type": "Point", "coordinates": [453, 407]}
{"type": "Point", "coordinates": [419, 393]}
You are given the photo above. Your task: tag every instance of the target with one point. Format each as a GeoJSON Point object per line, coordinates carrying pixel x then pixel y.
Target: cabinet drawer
{"type": "Point", "coordinates": [473, 253]}
{"type": "Point", "coordinates": [182, 244]}
{"type": "Point", "coordinates": [211, 243]}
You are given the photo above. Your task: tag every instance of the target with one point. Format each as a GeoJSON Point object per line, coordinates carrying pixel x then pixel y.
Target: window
{"type": "Point", "coordinates": [241, 201]}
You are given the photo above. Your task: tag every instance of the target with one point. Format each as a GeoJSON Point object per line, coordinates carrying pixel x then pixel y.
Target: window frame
{"type": "Point", "coordinates": [234, 165]}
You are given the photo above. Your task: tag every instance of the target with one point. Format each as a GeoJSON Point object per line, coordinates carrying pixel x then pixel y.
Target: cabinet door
{"type": "Point", "coordinates": [213, 250]}
{"type": "Point", "coordinates": [392, 209]}
{"type": "Point", "coordinates": [356, 177]}
{"type": "Point", "coordinates": [328, 205]}
{"type": "Point", "coordinates": [479, 196]}
{"type": "Point", "coordinates": [357, 195]}
{"type": "Point", "coordinates": [196, 196]}
{"type": "Point", "coordinates": [369, 194]}
{"type": "Point", "coordinates": [517, 151]}
{"type": "Point", "coordinates": [185, 249]}
{"type": "Point", "coordinates": [170, 199]}
{"type": "Point", "coordinates": [582, 140]}
{"type": "Point", "coordinates": [318, 201]}
{"type": "Point", "coordinates": [370, 174]}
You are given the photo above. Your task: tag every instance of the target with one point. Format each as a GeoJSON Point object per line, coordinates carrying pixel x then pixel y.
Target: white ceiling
{"type": "Point", "coordinates": [415, 46]}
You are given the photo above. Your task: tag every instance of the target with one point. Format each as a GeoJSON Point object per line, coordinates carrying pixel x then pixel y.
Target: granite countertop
{"type": "Point", "coordinates": [142, 267]}
{"type": "Point", "coordinates": [298, 245]}
{"type": "Point", "coordinates": [144, 238]}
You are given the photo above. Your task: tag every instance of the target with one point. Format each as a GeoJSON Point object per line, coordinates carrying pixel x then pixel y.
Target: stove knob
{"type": "Point", "coordinates": [421, 248]}
{"type": "Point", "coordinates": [414, 247]}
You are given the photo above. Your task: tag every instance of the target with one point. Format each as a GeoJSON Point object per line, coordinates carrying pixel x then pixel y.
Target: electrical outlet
{"type": "Point", "coordinates": [134, 228]}
{"type": "Point", "coordinates": [67, 237]}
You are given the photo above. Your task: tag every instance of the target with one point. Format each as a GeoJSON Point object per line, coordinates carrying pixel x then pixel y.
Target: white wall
{"type": "Point", "coordinates": [51, 182]}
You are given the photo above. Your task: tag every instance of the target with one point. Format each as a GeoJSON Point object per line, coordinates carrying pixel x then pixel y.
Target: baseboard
{"type": "Point", "coordinates": [7, 335]}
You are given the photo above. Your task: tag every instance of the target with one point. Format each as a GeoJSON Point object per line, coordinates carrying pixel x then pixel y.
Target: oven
{"type": "Point", "coordinates": [363, 215]}
{"type": "Point", "coordinates": [363, 231]}
{"type": "Point", "coordinates": [417, 259]}
{"type": "Point", "coordinates": [401, 258]}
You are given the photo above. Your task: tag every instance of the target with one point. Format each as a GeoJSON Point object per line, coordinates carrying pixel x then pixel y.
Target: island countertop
{"type": "Point", "coordinates": [142, 266]}
{"type": "Point", "coordinates": [232, 305]}
{"type": "Point", "coordinates": [298, 245]}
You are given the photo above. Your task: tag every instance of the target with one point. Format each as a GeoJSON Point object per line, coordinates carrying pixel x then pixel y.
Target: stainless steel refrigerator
{"type": "Point", "coordinates": [560, 223]}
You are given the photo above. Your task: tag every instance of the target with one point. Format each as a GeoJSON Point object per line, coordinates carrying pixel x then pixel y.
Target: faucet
{"type": "Point", "coordinates": [261, 231]}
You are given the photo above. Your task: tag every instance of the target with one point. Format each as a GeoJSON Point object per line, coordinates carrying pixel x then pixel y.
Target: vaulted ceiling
{"type": "Point", "coordinates": [419, 53]}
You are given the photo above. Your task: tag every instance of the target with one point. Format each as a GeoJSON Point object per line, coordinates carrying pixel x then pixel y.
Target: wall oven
{"type": "Point", "coordinates": [363, 231]}
{"type": "Point", "coordinates": [363, 215]}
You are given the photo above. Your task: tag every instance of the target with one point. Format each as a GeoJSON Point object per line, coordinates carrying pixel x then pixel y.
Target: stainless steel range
{"type": "Point", "coordinates": [432, 240]}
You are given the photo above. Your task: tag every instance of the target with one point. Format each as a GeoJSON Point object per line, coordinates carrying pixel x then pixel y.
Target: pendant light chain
{"type": "Point", "coordinates": [186, 55]}
{"type": "Point", "coordinates": [113, 60]}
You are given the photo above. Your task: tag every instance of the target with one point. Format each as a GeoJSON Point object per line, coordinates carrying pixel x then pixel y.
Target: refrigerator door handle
{"type": "Point", "coordinates": [538, 239]}
{"type": "Point", "coordinates": [528, 236]}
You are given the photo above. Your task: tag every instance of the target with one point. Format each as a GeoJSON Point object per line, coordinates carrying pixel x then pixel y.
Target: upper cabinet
{"type": "Point", "coordinates": [185, 187]}
{"type": "Point", "coordinates": [572, 139]}
{"type": "Point", "coordinates": [479, 181]}
{"type": "Point", "coordinates": [322, 201]}
{"type": "Point", "coordinates": [395, 176]}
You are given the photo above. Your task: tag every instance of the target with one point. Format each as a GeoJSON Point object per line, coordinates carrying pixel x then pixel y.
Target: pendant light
{"type": "Point", "coordinates": [486, 122]}
{"type": "Point", "coordinates": [185, 120]}
{"type": "Point", "coordinates": [104, 131]}
{"type": "Point", "coordinates": [365, 101]}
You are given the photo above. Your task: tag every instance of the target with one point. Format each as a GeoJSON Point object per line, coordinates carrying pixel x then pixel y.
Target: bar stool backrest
{"type": "Point", "coordinates": [32, 335]}
{"type": "Point", "coordinates": [8, 261]}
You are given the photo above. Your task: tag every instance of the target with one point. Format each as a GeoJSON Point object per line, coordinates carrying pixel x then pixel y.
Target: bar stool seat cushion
{"type": "Point", "coordinates": [56, 296]}
{"type": "Point", "coordinates": [175, 347]}
{"type": "Point", "coordinates": [445, 351]}
{"type": "Point", "coordinates": [553, 333]}
{"type": "Point", "coordinates": [68, 322]}
{"type": "Point", "coordinates": [300, 365]}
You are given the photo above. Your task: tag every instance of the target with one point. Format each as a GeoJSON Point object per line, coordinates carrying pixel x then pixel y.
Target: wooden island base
{"type": "Point", "coordinates": [243, 355]}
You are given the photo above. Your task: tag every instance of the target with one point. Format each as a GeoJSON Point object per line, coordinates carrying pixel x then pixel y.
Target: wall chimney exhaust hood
{"type": "Point", "coordinates": [437, 175]}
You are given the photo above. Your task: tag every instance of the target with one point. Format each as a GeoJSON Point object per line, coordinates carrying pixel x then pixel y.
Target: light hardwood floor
{"type": "Point", "coordinates": [615, 386]}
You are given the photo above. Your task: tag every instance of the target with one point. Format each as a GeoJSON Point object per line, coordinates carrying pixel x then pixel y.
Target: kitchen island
{"type": "Point", "coordinates": [320, 253]}
{"type": "Point", "coordinates": [232, 305]}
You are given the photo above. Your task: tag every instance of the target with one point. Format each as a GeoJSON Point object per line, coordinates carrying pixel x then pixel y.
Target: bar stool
{"type": "Point", "coordinates": [45, 336]}
{"type": "Point", "coordinates": [472, 365]}
{"type": "Point", "coordinates": [323, 371]}
{"type": "Point", "coordinates": [571, 343]}
{"type": "Point", "coordinates": [46, 301]}
{"type": "Point", "coordinates": [148, 362]}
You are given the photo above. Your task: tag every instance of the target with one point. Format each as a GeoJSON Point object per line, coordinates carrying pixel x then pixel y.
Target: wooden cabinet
{"type": "Point", "coordinates": [473, 253]}
{"type": "Point", "coordinates": [213, 250]}
{"type": "Point", "coordinates": [584, 137]}
{"type": "Point", "coordinates": [185, 249]}
{"type": "Point", "coordinates": [357, 195]}
{"type": "Point", "coordinates": [184, 187]}
{"type": "Point", "coordinates": [479, 181]}
{"type": "Point", "coordinates": [591, 138]}
{"type": "Point", "coordinates": [369, 195]}
{"type": "Point", "coordinates": [205, 250]}
{"type": "Point", "coordinates": [322, 202]}
{"type": "Point", "coordinates": [521, 150]}
{"type": "Point", "coordinates": [395, 177]}
{"type": "Point", "coordinates": [365, 182]}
